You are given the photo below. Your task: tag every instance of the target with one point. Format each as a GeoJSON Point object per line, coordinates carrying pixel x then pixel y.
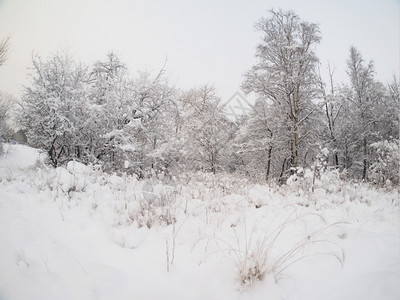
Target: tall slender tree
{"type": "Point", "coordinates": [285, 74]}
{"type": "Point", "coordinates": [333, 102]}
{"type": "Point", "coordinates": [364, 97]}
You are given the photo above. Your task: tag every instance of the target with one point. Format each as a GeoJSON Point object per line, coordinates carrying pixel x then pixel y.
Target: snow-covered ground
{"type": "Point", "coordinates": [76, 233]}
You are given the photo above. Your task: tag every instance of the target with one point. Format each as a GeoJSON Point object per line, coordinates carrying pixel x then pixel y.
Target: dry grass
{"type": "Point", "coordinates": [256, 258]}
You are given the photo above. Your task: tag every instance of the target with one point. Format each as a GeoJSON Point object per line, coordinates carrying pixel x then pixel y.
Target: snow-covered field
{"type": "Point", "coordinates": [76, 233]}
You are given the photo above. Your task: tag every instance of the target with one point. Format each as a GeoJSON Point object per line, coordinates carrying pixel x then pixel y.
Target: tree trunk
{"type": "Point", "coordinates": [365, 161]}
{"type": "Point", "coordinates": [294, 148]}
{"type": "Point", "coordinates": [336, 159]}
{"type": "Point", "coordinates": [53, 153]}
{"type": "Point", "coordinates": [213, 163]}
{"type": "Point", "coordinates": [53, 156]}
{"type": "Point", "coordinates": [268, 163]}
{"type": "Point", "coordinates": [213, 169]}
{"type": "Point", "coordinates": [281, 180]}
{"type": "Point", "coordinates": [364, 144]}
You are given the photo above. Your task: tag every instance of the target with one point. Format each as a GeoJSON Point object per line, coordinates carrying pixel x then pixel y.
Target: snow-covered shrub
{"type": "Point", "coordinates": [385, 168]}
{"type": "Point", "coordinates": [330, 181]}
{"type": "Point", "coordinates": [308, 182]}
{"type": "Point", "coordinates": [156, 206]}
{"type": "Point", "coordinates": [300, 182]}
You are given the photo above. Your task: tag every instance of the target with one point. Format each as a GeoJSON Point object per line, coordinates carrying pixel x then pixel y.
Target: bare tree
{"type": "Point", "coordinates": [4, 49]}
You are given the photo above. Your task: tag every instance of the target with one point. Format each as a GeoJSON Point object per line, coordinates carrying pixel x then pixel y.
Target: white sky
{"type": "Point", "coordinates": [205, 41]}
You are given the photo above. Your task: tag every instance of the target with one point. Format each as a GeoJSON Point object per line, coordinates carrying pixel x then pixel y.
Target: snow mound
{"type": "Point", "coordinates": [19, 157]}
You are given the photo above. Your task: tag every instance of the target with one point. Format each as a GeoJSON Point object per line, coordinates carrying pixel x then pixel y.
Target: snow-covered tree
{"type": "Point", "coordinates": [390, 108]}
{"type": "Point", "coordinates": [5, 105]}
{"type": "Point", "coordinates": [255, 143]}
{"type": "Point", "coordinates": [285, 74]}
{"type": "Point", "coordinates": [385, 166]}
{"type": "Point", "coordinates": [394, 90]}
{"type": "Point", "coordinates": [205, 128]}
{"type": "Point", "coordinates": [130, 116]}
{"type": "Point", "coordinates": [54, 108]}
{"type": "Point", "coordinates": [368, 110]}
{"type": "Point", "coordinates": [333, 109]}
{"type": "Point", "coordinates": [110, 96]}
{"type": "Point", "coordinates": [155, 108]}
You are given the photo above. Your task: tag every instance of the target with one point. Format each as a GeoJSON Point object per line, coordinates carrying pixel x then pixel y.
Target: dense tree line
{"type": "Point", "coordinates": [101, 114]}
{"type": "Point", "coordinates": [297, 114]}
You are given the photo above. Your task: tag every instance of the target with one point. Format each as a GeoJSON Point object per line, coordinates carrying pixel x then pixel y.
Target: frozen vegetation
{"type": "Point", "coordinates": [74, 232]}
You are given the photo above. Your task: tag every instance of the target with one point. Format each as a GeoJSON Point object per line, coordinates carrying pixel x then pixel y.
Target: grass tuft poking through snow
{"type": "Point", "coordinates": [259, 256]}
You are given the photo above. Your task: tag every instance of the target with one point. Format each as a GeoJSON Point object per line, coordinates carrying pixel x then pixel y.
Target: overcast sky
{"type": "Point", "coordinates": [205, 41]}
